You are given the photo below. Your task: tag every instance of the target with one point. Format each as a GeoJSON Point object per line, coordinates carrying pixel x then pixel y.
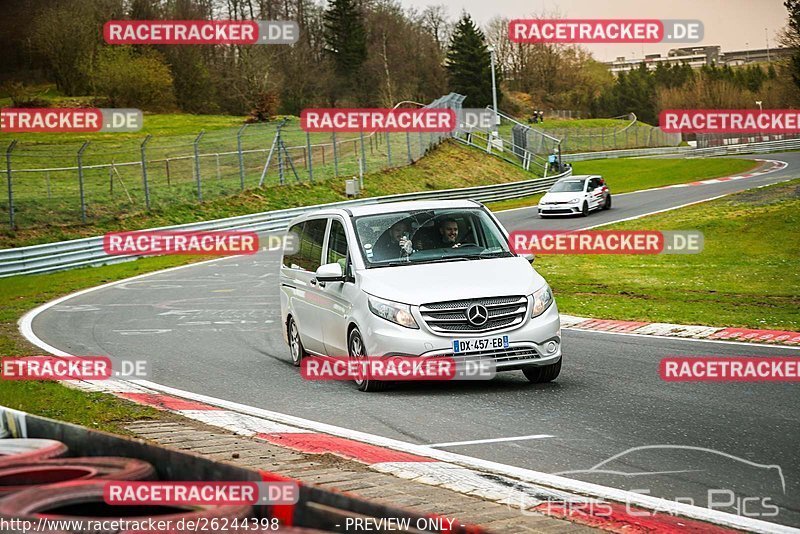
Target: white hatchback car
{"type": "Point", "coordinates": [418, 279]}
{"type": "Point", "coordinates": [576, 195]}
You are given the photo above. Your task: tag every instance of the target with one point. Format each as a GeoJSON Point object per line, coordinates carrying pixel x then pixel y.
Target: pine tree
{"type": "Point", "coordinates": [469, 65]}
{"type": "Point", "coordinates": [345, 39]}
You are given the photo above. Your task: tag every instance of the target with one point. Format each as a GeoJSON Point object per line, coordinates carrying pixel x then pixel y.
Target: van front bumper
{"type": "Point", "coordinates": [536, 342]}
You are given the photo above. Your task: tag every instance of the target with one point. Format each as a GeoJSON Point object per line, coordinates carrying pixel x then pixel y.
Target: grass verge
{"type": "Point", "coordinates": [748, 274]}
{"type": "Point", "coordinates": [632, 174]}
{"type": "Point", "coordinates": [449, 166]}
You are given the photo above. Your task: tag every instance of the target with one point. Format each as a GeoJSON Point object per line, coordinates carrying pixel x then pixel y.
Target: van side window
{"type": "Point", "coordinates": [337, 244]}
{"type": "Point", "coordinates": [311, 244]}
{"type": "Point", "coordinates": [293, 260]}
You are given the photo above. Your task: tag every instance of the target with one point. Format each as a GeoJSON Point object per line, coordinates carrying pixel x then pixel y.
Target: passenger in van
{"type": "Point", "coordinates": [445, 235]}
{"type": "Point", "coordinates": [448, 231]}
{"type": "Point", "coordinates": [394, 243]}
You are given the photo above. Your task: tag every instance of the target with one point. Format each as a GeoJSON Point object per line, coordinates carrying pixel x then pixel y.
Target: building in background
{"type": "Point", "coordinates": [698, 56]}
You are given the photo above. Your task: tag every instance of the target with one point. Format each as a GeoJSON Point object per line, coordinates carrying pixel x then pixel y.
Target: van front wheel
{"type": "Point", "coordinates": [356, 350]}
{"type": "Point", "coordinates": [539, 374]}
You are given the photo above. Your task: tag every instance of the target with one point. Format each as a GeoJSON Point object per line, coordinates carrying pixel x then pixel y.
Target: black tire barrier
{"type": "Point", "coordinates": [83, 501]}
{"type": "Point", "coordinates": [15, 450]}
{"type": "Point", "coordinates": [21, 476]}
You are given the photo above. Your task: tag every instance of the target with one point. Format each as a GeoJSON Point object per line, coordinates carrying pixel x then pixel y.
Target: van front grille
{"type": "Point", "coordinates": [451, 316]}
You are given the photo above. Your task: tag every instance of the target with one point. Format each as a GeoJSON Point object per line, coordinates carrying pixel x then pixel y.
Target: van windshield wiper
{"type": "Point", "coordinates": [448, 258]}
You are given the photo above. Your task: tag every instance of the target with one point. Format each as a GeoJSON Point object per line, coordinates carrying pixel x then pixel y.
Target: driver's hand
{"type": "Point", "coordinates": [406, 245]}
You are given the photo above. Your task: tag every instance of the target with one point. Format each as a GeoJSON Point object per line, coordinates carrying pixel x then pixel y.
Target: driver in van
{"type": "Point", "coordinates": [397, 244]}
{"type": "Point", "coordinates": [448, 231]}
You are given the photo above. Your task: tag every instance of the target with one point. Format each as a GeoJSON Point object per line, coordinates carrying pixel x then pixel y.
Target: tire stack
{"type": "Point", "coordinates": [38, 479]}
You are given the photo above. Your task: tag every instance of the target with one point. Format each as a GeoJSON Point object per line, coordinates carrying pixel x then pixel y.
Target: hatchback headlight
{"type": "Point", "coordinates": [542, 300]}
{"type": "Point", "coordinates": [574, 200]}
{"type": "Point", "coordinates": [392, 311]}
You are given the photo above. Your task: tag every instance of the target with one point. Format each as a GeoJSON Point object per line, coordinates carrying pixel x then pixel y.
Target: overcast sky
{"type": "Point", "coordinates": [732, 24]}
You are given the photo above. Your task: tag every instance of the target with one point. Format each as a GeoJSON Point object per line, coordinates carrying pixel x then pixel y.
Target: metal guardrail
{"type": "Point", "coordinates": [725, 150]}
{"type": "Point", "coordinates": [65, 255]}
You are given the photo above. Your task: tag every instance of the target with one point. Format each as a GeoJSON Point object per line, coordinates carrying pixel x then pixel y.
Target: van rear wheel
{"type": "Point", "coordinates": [295, 345]}
{"type": "Point", "coordinates": [539, 374]}
{"type": "Point", "coordinates": [356, 350]}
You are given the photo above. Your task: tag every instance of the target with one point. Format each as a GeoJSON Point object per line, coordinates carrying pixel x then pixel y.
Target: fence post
{"type": "Point", "coordinates": [241, 155]}
{"type": "Point", "coordinates": [280, 159]}
{"type": "Point", "coordinates": [310, 158]}
{"type": "Point", "coordinates": [408, 147]}
{"type": "Point", "coordinates": [144, 173]}
{"type": "Point", "coordinates": [47, 177]}
{"type": "Point", "coordinates": [219, 177]}
{"type": "Point", "coordinates": [166, 164]}
{"type": "Point", "coordinates": [10, 187]}
{"type": "Point", "coordinates": [197, 164]}
{"type": "Point", "coordinates": [363, 153]}
{"type": "Point", "coordinates": [335, 155]}
{"type": "Point", "coordinates": [80, 180]}
{"type": "Point", "coordinates": [388, 149]}
{"type": "Point", "coordinates": [110, 180]}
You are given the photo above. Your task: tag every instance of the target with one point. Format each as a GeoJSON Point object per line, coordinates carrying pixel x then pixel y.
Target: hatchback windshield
{"type": "Point", "coordinates": [429, 236]}
{"type": "Point", "coordinates": [567, 186]}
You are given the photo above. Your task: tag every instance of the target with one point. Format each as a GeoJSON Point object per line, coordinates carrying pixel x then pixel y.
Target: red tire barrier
{"type": "Point", "coordinates": [15, 450]}
{"type": "Point", "coordinates": [83, 500]}
{"type": "Point", "coordinates": [21, 476]}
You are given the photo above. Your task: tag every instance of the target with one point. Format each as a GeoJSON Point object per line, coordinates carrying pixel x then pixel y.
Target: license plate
{"type": "Point", "coordinates": [484, 343]}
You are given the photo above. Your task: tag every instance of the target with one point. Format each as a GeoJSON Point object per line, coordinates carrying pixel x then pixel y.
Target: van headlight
{"type": "Point", "coordinates": [542, 300]}
{"type": "Point", "coordinates": [392, 311]}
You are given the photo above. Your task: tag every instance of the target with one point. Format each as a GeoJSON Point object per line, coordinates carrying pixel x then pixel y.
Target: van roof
{"type": "Point", "coordinates": [389, 207]}
{"type": "Point", "coordinates": [579, 177]}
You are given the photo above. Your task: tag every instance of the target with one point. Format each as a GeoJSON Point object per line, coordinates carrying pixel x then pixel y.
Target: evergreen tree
{"type": "Point", "coordinates": [469, 65]}
{"type": "Point", "coordinates": [345, 40]}
{"type": "Point", "coordinates": [792, 38]}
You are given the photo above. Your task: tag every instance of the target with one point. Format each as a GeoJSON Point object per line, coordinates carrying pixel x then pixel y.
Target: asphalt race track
{"type": "Point", "coordinates": [214, 329]}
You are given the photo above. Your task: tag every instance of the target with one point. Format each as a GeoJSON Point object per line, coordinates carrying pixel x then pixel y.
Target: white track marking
{"type": "Point", "coordinates": [495, 440]}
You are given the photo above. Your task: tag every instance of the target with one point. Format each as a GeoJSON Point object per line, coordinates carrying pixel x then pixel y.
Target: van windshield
{"type": "Point", "coordinates": [428, 236]}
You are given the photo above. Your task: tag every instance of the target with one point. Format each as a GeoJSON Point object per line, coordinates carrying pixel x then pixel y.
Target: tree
{"type": "Point", "coordinates": [791, 38]}
{"type": "Point", "coordinates": [346, 40]}
{"type": "Point", "coordinates": [469, 64]}
{"type": "Point", "coordinates": [130, 80]}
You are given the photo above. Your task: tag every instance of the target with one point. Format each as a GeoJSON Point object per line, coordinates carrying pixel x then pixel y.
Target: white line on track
{"type": "Point", "coordinates": [494, 440]}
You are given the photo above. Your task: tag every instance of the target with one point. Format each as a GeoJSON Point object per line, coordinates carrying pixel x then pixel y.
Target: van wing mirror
{"type": "Point", "coordinates": [330, 272]}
